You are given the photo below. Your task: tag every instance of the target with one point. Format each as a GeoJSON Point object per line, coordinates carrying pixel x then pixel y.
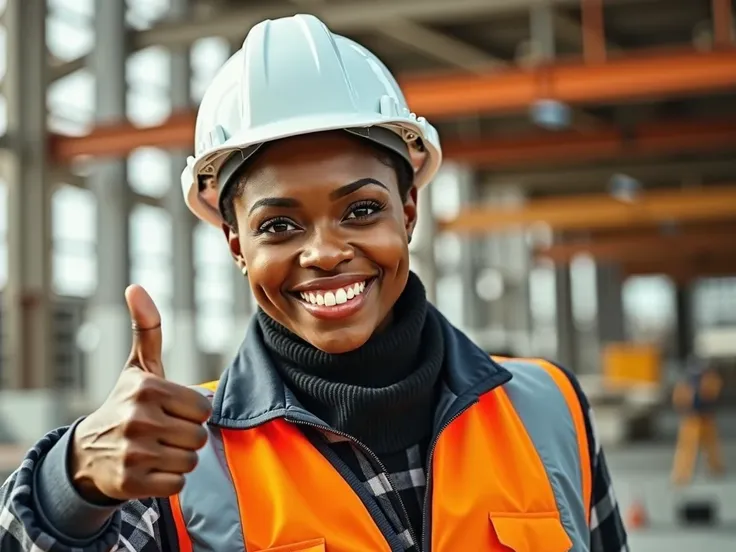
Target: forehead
{"type": "Point", "coordinates": [315, 161]}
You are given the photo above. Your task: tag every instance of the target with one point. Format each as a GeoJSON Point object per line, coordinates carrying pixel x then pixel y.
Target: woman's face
{"type": "Point", "coordinates": [322, 229]}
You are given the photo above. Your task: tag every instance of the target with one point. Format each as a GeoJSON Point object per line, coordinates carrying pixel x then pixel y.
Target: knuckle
{"type": "Point", "coordinates": [133, 455]}
{"type": "Point", "coordinates": [138, 423]}
{"type": "Point", "coordinates": [149, 388]}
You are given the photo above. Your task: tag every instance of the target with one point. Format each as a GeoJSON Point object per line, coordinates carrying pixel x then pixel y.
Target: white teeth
{"type": "Point", "coordinates": [341, 296]}
{"type": "Point", "coordinates": [331, 298]}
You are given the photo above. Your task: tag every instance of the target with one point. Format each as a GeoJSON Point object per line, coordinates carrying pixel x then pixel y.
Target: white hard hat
{"type": "Point", "coordinates": [293, 77]}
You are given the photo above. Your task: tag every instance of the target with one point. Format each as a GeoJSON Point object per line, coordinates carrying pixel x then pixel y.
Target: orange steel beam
{"type": "Point", "coordinates": [653, 75]}
{"type": "Point", "coordinates": [646, 247]}
{"type": "Point", "coordinates": [661, 138]}
{"type": "Point", "coordinates": [600, 211]}
{"type": "Point", "coordinates": [512, 90]}
{"type": "Point", "coordinates": [671, 137]}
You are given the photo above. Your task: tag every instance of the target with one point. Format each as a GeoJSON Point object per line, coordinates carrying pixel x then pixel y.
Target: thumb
{"type": "Point", "coordinates": [146, 322]}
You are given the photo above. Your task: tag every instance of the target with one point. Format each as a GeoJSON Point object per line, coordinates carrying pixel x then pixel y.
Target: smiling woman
{"type": "Point", "coordinates": [355, 417]}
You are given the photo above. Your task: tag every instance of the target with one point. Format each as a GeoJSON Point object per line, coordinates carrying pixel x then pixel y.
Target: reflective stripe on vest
{"type": "Point", "coordinates": [511, 472]}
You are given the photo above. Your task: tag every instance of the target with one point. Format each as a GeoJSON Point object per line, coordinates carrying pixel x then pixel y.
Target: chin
{"type": "Point", "coordinates": [339, 341]}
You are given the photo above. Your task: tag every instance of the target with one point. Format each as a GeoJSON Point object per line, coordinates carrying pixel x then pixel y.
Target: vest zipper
{"type": "Point", "coordinates": [428, 489]}
{"type": "Point", "coordinates": [375, 458]}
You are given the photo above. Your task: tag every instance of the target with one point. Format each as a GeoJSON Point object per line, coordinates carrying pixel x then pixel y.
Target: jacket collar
{"type": "Point", "coordinates": [251, 391]}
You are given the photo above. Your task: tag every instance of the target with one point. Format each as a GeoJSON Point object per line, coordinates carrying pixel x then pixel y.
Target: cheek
{"type": "Point", "coordinates": [268, 268]}
{"type": "Point", "coordinates": [387, 246]}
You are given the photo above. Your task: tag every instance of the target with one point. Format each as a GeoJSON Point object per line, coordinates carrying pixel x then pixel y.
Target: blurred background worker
{"type": "Point", "coordinates": [695, 397]}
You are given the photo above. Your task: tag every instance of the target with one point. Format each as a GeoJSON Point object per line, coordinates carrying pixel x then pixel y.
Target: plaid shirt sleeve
{"type": "Point", "coordinates": [135, 528]}
{"type": "Point", "coordinates": [607, 531]}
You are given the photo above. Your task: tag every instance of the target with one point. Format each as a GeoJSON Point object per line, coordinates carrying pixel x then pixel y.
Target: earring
{"type": "Point", "coordinates": [408, 239]}
{"type": "Point", "coordinates": [244, 270]}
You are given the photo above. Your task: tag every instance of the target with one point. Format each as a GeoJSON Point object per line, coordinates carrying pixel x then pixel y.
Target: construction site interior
{"type": "Point", "coordinates": [586, 210]}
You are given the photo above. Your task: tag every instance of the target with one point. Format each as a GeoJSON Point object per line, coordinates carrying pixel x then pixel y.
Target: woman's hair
{"type": "Point", "coordinates": [404, 177]}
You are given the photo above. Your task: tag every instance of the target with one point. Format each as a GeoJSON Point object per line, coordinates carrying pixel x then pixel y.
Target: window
{"type": "Point", "coordinates": [71, 102]}
{"type": "Point", "coordinates": [149, 81]}
{"type": "Point", "coordinates": [149, 171]}
{"type": "Point", "coordinates": [207, 56]}
{"type": "Point", "coordinates": [214, 280]}
{"type": "Point", "coordinates": [69, 30]}
{"type": "Point", "coordinates": [143, 14]}
{"type": "Point", "coordinates": [150, 259]}
{"type": "Point", "coordinates": [73, 231]}
{"type": "Point", "coordinates": [649, 307]}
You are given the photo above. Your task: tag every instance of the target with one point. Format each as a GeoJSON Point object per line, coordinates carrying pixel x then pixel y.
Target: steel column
{"type": "Point", "coordinates": [108, 181]}
{"type": "Point", "coordinates": [183, 363]}
{"type": "Point", "coordinates": [27, 316]}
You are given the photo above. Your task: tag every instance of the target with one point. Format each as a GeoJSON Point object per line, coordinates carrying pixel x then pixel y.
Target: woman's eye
{"type": "Point", "coordinates": [362, 211]}
{"type": "Point", "coordinates": [278, 227]}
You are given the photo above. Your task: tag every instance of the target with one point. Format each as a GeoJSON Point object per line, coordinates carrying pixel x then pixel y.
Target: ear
{"type": "Point", "coordinates": [233, 241]}
{"type": "Point", "coordinates": [410, 211]}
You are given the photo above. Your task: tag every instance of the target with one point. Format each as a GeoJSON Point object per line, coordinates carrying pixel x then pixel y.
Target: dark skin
{"type": "Point", "coordinates": [321, 206]}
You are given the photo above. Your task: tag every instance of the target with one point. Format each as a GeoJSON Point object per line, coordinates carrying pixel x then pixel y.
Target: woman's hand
{"type": "Point", "coordinates": [145, 437]}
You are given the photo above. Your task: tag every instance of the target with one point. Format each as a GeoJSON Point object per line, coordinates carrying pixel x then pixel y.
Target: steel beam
{"type": "Point", "coordinates": [633, 77]}
{"type": "Point", "coordinates": [645, 246]}
{"type": "Point", "coordinates": [601, 211]}
{"type": "Point", "coordinates": [28, 343]}
{"type": "Point", "coordinates": [341, 17]}
{"type": "Point", "coordinates": [606, 143]}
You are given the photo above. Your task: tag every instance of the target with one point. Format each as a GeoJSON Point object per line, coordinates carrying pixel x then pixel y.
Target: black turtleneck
{"type": "Point", "coordinates": [382, 393]}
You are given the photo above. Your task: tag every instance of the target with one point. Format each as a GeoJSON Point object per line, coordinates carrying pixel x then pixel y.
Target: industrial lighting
{"type": "Point", "coordinates": [551, 114]}
{"type": "Point", "coordinates": [624, 187]}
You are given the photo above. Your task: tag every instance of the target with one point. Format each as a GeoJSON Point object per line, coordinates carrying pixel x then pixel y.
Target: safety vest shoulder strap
{"type": "Point", "coordinates": [530, 374]}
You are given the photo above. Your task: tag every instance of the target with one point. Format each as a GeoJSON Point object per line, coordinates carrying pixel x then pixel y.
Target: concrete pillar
{"type": "Point", "coordinates": [471, 254]}
{"type": "Point", "coordinates": [508, 252]}
{"type": "Point", "coordinates": [422, 245]}
{"type": "Point", "coordinates": [685, 334]}
{"type": "Point", "coordinates": [108, 180]}
{"type": "Point", "coordinates": [611, 324]}
{"type": "Point", "coordinates": [184, 363]}
{"type": "Point", "coordinates": [566, 332]}
{"type": "Point", "coordinates": [244, 306]}
{"type": "Point", "coordinates": [28, 339]}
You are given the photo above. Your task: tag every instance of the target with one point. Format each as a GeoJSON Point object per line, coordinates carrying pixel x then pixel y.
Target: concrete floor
{"type": "Point", "coordinates": [642, 473]}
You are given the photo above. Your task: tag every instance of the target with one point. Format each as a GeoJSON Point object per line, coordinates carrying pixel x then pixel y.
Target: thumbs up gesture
{"type": "Point", "coordinates": [145, 437]}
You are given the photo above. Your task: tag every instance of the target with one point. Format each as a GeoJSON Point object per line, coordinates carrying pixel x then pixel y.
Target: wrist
{"type": "Point", "coordinates": [80, 470]}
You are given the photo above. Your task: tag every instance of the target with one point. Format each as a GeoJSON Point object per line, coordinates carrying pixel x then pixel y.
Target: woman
{"type": "Point", "coordinates": [355, 417]}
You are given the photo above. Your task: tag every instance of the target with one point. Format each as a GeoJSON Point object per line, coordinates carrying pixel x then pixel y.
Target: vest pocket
{"type": "Point", "coordinates": [314, 545]}
{"type": "Point", "coordinates": [530, 532]}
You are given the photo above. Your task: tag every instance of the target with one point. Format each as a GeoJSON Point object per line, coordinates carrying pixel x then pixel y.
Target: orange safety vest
{"type": "Point", "coordinates": [495, 485]}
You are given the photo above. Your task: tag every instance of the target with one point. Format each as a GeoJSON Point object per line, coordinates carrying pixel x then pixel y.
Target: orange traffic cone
{"type": "Point", "coordinates": [636, 515]}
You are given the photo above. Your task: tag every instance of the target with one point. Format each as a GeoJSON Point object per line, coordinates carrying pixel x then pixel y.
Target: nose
{"type": "Point", "coordinates": [325, 251]}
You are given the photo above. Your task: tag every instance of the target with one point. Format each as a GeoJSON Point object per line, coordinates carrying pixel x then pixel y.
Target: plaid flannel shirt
{"type": "Point", "coordinates": [399, 493]}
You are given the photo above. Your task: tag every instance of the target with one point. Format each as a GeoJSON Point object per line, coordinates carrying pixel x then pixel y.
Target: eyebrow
{"type": "Point", "coordinates": [342, 191]}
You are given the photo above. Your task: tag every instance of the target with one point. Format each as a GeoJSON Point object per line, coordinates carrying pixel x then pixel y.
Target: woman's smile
{"type": "Point", "coordinates": [337, 297]}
